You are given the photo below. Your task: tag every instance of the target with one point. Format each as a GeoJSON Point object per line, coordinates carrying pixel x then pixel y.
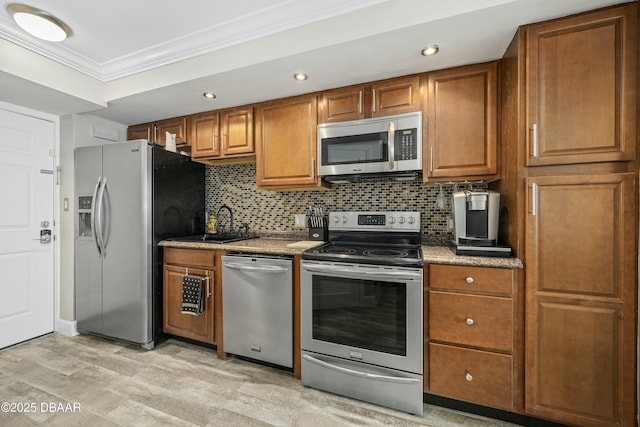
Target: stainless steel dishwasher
{"type": "Point", "coordinates": [257, 307]}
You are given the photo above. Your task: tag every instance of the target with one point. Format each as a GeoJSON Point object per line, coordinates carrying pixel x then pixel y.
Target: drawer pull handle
{"type": "Point", "coordinates": [469, 280]}
{"type": "Point", "coordinates": [469, 321]}
{"type": "Point", "coordinates": [468, 377]}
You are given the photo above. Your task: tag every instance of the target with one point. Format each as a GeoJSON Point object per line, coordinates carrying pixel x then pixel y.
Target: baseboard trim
{"type": "Point", "coordinates": [67, 327]}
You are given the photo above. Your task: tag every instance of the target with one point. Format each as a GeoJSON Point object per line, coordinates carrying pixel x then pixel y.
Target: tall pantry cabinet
{"type": "Point", "coordinates": [570, 190]}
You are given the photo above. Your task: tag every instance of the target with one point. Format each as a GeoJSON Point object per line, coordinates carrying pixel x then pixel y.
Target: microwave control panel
{"type": "Point", "coordinates": [406, 142]}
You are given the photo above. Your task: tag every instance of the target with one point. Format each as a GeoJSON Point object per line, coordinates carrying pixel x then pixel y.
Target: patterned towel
{"type": "Point", "coordinates": [192, 295]}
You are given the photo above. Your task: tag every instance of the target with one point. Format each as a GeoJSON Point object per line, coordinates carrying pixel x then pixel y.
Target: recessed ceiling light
{"type": "Point", "coordinates": [300, 76]}
{"type": "Point", "coordinates": [39, 23]}
{"type": "Point", "coordinates": [209, 95]}
{"type": "Point", "coordinates": [430, 50]}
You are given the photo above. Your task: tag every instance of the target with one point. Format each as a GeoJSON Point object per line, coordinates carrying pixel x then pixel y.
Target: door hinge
{"type": "Point", "coordinates": [52, 153]}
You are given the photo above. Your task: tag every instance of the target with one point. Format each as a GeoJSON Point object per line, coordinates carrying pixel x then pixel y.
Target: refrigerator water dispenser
{"type": "Point", "coordinates": [84, 216]}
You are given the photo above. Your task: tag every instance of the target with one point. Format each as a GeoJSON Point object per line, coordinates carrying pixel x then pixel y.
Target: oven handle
{"type": "Point", "coordinates": [360, 374]}
{"type": "Point", "coordinates": [387, 274]}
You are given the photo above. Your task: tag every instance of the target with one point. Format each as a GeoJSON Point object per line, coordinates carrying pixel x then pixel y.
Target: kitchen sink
{"type": "Point", "coordinates": [212, 238]}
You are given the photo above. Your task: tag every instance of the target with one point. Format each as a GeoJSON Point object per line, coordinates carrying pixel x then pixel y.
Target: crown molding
{"type": "Point", "coordinates": [260, 23]}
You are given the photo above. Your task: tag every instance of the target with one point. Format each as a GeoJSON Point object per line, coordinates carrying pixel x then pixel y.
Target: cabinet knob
{"type": "Point", "coordinates": [469, 321]}
{"type": "Point", "coordinates": [468, 377]}
{"type": "Point", "coordinates": [469, 280]}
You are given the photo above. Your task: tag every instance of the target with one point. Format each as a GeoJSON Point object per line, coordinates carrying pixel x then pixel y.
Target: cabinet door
{"type": "Point", "coordinates": [203, 135]}
{"type": "Point", "coordinates": [142, 131]}
{"type": "Point", "coordinates": [236, 131]}
{"type": "Point", "coordinates": [177, 126]}
{"type": "Point", "coordinates": [201, 327]}
{"type": "Point", "coordinates": [581, 88]}
{"type": "Point", "coordinates": [461, 130]}
{"type": "Point", "coordinates": [581, 290]}
{"type": "Point", "coordinates": [286, 143]}
{"type": "Point", "coordinates": [342, 104]}
{"type": "Point", "coordinates": [395, 96]}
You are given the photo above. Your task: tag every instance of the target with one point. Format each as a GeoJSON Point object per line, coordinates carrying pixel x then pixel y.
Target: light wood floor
{"type": "Point", "coordinates": [87, 381]}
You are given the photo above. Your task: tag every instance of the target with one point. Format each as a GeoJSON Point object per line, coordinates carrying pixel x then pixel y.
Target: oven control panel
{"type": "Point", "coordinates": [377, 221]}
{"type": "Point", "coordinates": [372, 219]}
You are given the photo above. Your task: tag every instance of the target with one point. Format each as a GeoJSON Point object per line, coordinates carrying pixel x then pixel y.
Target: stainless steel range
{"type": "Point", "coordinates": [361, 302]}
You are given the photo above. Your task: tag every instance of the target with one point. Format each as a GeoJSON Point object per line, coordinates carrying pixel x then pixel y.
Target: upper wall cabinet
{"type": "Point", "coordinates": [141, 131]}
{"type": "Point", "coordinates": [581, 88]}
{"type": "Point", "coordinates": [382, 98]}
{"type": "Point", "coordinates": [222, 134]}
{"type": "Point", "coordinates": [156, 132]}
{"type": "Point", "coordinates": [286, 144]}
{"type": "Point", "coordinates": [203, 134]}
{"type": "Point", "coordinates": [460, 123]}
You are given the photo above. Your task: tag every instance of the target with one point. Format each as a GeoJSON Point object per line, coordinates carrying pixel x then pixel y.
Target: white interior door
{"type": "Point", "coordinates": [26, 211]}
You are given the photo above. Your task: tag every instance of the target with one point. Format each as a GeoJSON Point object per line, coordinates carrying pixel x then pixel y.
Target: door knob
{"type": "Point", "coordinates": [45, 237]}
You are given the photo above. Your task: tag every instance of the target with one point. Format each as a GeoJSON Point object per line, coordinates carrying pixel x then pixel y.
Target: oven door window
{"type": "Point", "coordinates": [366, 314]}
{"type": "Point", "coordinates": [367, 148]}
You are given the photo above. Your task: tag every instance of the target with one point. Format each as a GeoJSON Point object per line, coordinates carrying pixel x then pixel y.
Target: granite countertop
{"type": "Point", "coordinates": [430, 254]}
{"type": "Point", "coordinates": [256, 246]}
{"type": "Point", "coordinates": [446, 255]}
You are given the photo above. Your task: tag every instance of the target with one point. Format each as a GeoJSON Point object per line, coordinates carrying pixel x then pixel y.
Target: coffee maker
{"type": "Point", "coordinates": [475, 216]}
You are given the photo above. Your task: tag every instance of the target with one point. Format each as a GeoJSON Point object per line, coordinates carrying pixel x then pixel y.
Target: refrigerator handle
{"type": "Point", "coordinates": [105, 228]}
{"type": "Point", "coordinates": [94, 201]}
{"type": "Point", "coordinates": [99, 221]}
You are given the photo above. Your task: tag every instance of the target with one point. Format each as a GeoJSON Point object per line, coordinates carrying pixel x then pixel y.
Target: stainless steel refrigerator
{"type": "Point", "coordinates": [129, 196]}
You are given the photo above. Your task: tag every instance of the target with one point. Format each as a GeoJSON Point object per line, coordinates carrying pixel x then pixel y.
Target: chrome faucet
{"type": "Point", "coordinates": [230, 216]}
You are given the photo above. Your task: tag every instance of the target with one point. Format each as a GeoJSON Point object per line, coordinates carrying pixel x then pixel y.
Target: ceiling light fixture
{"type": "Point", "coordinates": [300, 76]}
{"type": "Point", "coordinates": [209, 95]}
{"type": "Point", "coordinates": [39, 23]}
{"type": "Point", "coordinates": [430, 50]}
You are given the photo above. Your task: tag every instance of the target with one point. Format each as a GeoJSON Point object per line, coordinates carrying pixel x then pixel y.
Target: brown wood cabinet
{"type": "Point", "coordinates": [177, 263]}
{"type": "Point", "coordinates": [285, 132]}
{"type": "Point", "coordinates": [203, 133]}
{"type": "Point", "coordinates": [471, 329]}
{"type": "Point", "coordinates": [581, 88]}
{"type": "Point", "coordinates": [222, 134]}
{"type": "Point", "coordinates": [460, 123]}
{"type": "Point", "coordinates": [141, 131]}
{"type": "Point", "coordinates": [569, 209]}
{"type": "Point", "coordinates": [380, 98]}
{"type": "Point", "coordinates": [156, 132]}
{"type": "Point", "coordinates": [581, 262]}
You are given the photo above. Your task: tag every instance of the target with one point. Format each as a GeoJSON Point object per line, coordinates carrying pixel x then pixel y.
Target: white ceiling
{"type": "Point", "coordinates": [143, 60]}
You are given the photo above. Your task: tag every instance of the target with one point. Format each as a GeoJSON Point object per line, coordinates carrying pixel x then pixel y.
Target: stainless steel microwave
{"type": "Point", "coordinates": [391, 144]}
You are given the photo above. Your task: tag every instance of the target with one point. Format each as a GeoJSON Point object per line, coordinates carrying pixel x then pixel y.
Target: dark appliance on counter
{"type": "Point", "coordinates": [390, 146]}
{"type": "Point", "coordinates": [361, 310]}
{"type": "Point", "coordinates": [475, 215]}
{"type": "Point", "coordinates": [129, 196]}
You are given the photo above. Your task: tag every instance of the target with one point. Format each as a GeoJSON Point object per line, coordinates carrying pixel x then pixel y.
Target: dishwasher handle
{"type": "Point", "coordinates": [260, 268]}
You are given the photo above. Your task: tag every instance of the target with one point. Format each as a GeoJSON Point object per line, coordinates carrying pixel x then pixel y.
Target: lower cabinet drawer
{"type": "Point", "coordinates": [474, 376]}
{"type": "Point", "coordinates": [473, 320]}
{"type": "Point", "coordinates": [201, 258]}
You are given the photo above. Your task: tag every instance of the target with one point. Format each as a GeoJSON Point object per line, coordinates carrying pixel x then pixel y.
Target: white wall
{"type": "Point", "coordinates": [76, 130]}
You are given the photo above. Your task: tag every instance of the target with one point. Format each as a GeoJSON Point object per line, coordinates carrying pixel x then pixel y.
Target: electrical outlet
{"type": "Point", "coordinates": [300, 220]}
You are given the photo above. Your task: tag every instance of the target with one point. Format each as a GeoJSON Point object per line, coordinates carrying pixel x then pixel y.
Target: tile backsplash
{"type": "Point", "coordinates": [273, 211]}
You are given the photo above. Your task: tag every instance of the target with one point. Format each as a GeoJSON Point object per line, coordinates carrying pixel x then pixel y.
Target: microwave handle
{"type": "Point", "coordinates": [391, 146]}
